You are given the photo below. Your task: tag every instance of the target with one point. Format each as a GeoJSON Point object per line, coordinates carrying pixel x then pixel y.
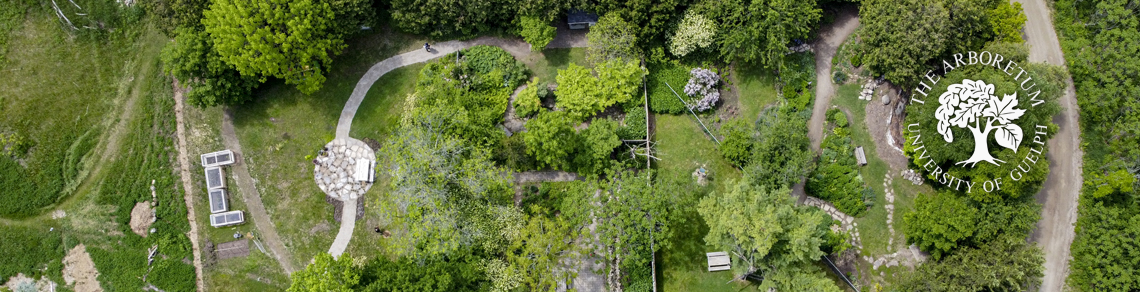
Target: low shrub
{"type": "Point", "coordinates": [837, 177]}
{"type": "Point", "coordinates": [528, 101]}
{"type": "Point", "coordinates": [633, 128]}
{"type": "Point", "coordinates": [662, 99]}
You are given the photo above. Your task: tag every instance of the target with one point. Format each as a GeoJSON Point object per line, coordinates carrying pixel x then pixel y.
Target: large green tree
{"type": "Point", "coordinates": [781, 151]}
{"type": "Point", "coordinates": [443, 192]}
{"type": "Point", "coordinates": [760, 31]}
{"type": "Point", "coordinates": [766, 234]}
{"type": "Point", "coordinates": [542, 248]}
{"type": "Point", "coordinates": [551, 139]}
{"type": "Point", "coordinates": [900, 36]}
{"type": "Point", "coordinates": [1003, 265]}
{"type": "Point", "coordinates": [940, 223]}
{"type": "Point", "coordinates": [289, 39]}
{"type": "Point", "coordinates": [326, 274]}
{"type": "Point", "coordinates": [612, 38]}
{"type": "Point", "coordinates": [582, 95]}
{"type": "Point", "coordinates": [447, 18]}
{"type": "Point", "coordinates": [192, 59]}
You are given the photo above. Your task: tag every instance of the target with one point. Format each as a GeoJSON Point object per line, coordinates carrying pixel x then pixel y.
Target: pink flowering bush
{"type": "Point", "coordinates": [702, 85]}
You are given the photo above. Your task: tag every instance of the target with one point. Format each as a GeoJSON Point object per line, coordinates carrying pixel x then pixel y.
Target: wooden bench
{"type": "Point", "coordinates": [719, 261]}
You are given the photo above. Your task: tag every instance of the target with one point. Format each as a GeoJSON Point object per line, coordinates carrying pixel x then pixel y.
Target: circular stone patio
{"type": "Point", "coordinates": [335, 167]}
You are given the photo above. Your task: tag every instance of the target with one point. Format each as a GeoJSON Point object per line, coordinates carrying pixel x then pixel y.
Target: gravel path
{"type": "Point", "coordinates": [1058, 196]}
{"type": "Point", "coordinates": [252, 197]}
{"type": "Point", "coordinates": [187, 185]}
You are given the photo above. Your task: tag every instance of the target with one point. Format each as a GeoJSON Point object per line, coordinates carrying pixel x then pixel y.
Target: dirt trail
{"type": "Point", "coordinates": [252, 197]}
{"type": "Point", "coordinates": [187, 185]}
{"type": "Point", "coordinates": [1058, 195]}
{"type": "Point", "coordinates": [830, 38]}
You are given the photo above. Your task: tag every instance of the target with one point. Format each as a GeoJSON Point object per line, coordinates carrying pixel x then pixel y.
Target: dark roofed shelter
{"type": "Point", "coordinates": [578, 19]}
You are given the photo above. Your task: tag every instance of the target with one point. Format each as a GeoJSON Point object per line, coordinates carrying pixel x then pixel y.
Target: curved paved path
{"type": "Point", "coordinates": [252, 198]}
{"type": "Point", "coordinates": [516, 48]}
{"type": "Point", "coordinates": [1058, 196]}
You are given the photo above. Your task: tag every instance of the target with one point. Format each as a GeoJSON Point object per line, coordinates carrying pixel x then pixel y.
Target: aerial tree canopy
{"type": "Point", "coordinates": [765, 233]}
{"type": "Point", "coordinates": [289, 39]}
{"type": "Point", "coordinates": [760, 31]}
{"type": "Point", "coordinates": [444, 193]}
{"type": "Point", "coordinates": [326, 274]}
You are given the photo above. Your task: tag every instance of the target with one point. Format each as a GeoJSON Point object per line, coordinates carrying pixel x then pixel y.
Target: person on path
{"type": "Point", "coordinates": [427, 47]}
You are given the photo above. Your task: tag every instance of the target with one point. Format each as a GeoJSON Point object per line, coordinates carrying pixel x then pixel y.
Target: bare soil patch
{"type": "Point", "coordinates": [142, 216]}
{"type": "Point", "coordinates": [79, 270]}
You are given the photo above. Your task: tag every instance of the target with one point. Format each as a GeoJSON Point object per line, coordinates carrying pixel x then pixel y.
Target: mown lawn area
{"type": "Point", "coordinates": [58, 97]}
{"type": "Point", "coordinates": [757, 89]}
{"type": "Point", "coordinates": [873, 225]}
{"type": "Point", "coordinates": [545, 66]}
{"type": "Point", "coordinates": [282, 126]}
{"type": "Point", "coordinates": [683, 147]}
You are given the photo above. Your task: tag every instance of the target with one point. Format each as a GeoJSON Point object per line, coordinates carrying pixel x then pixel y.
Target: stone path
{"type": "Point", "coordinates": [541, 176]}
{"type": "Point", "coordinates": [845, 221]}
{"type": "Point", "coordinates": [334, 172]}
{"type": "Point", "coordinates": [252, 197]}
{"type": "Point", "coordinates": [1058, 195]}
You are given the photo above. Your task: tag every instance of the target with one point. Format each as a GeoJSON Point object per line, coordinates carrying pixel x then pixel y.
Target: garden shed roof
{"type": "Point", "coordinates": [576, 16]}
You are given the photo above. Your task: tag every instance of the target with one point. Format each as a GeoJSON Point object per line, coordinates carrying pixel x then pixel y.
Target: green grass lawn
{"type": "Point", "coordinates": [281, 126]}
{"type": "Point", "coordinates": [757, 88]}
{"type": "Point", "coordinates": [59, 95]}
{"type": "Point", "coordinates": [683, 146]}
{"type": "Point", "coordinates": [382, 108]}
{"type": "Point", "coordinates": [545, 66]}
{"type": "Point", "coordinates": [872, 226]}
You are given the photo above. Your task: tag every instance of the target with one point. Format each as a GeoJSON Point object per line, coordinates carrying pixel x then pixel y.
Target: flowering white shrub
{"type": "Point", "coordinates": [702, 85]}
{"type": "Point", "coordinates": [695, 31]}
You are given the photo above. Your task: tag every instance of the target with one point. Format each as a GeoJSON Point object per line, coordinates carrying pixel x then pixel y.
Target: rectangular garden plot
{"type": "Point", "coordinates": [227, 218]}
{"type": "Point", "coordinates": [215, 178]}
{"type": "Point", "coordinates": [218, 201]}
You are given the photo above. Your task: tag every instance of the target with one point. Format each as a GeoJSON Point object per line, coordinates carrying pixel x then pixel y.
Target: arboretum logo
{"type": "Point", "coordinates": [974, 108]}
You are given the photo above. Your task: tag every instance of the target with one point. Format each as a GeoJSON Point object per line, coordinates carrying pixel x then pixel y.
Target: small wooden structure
{"type": "Point", "coordinates": [860, 157]}
{"type": "Point", "coordinates": [220, 158]}
{"type": "Point", "coordinates": [362, 171]}
{"type": "Point", "coordinates": [578, 19]}
{"type": "Point", "coordinates": [718, 261]}
{"type": "Point", "coordinates": [218, 201]}
{"type": "Point", "coordinates": [215, 178]}
{"type": "Point", "coordinates": [232, 249]}
{"type": "Point", "coordinates": [227, 218]}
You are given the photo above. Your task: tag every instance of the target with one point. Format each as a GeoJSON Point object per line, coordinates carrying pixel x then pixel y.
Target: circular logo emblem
{"type": "Point", "coordinates": [978, 127]}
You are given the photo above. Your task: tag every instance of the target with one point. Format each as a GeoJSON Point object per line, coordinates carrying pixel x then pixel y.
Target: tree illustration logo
{"type": "Point", "coordinates": [972, 105]}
